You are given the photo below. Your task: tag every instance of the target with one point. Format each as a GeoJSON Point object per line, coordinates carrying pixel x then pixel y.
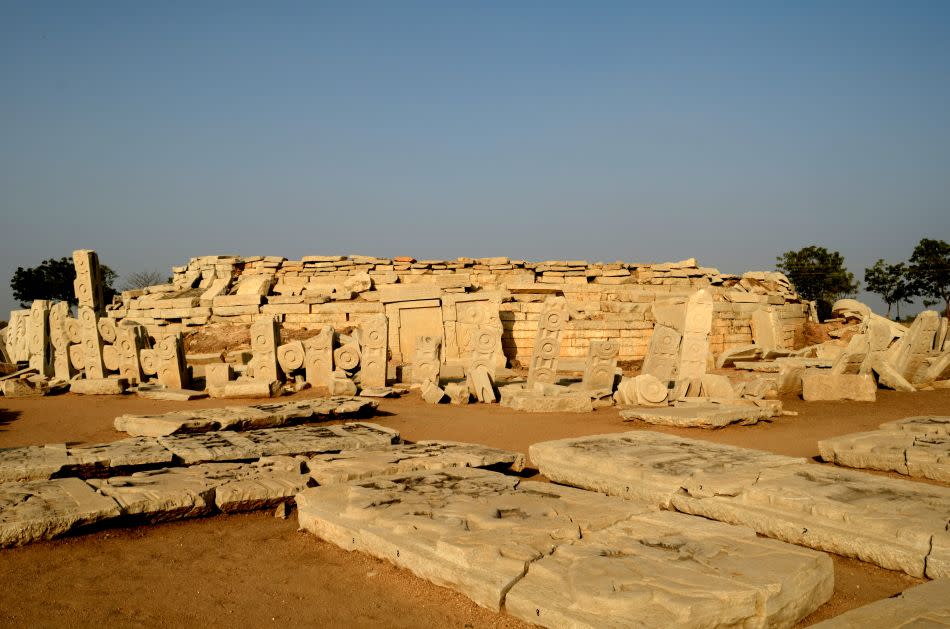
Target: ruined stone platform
{"type": "Point", "coordinates": [559, 556]}
{"type": "Point", "coordinates": [902, 451]}
{"type": "Point", "coordinates": [267, 415]}
{"type": "Point", "coordinates": [700, 416]}
{"type": "Point", "coordinates": [926, 605]}
{"type": "Point", "coordinates": [895, 524]}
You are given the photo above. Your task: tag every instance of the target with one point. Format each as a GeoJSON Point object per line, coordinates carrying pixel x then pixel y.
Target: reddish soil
{"type": "Point", "coordinates": [254, 570]}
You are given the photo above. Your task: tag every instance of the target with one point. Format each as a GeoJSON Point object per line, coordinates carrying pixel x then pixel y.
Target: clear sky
{"type": "Point", "coordinates": [153, 132]}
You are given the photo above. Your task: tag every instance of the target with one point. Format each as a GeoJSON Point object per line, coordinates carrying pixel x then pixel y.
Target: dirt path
{"type": "Point", "coordinates": [255, 570]}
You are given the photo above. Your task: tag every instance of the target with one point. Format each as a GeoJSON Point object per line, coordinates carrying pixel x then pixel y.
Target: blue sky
{"type": "Point", "coordinates": [731, 132]}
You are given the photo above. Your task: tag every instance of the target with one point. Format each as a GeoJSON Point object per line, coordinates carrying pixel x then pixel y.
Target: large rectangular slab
{"type": "Point", "coordinates": [896, 524]}
{"type": "Point", "coordinates": [318, 439]}
{"type": "Point", "coordinates": [109, 458]}
{"type": "Point", "coordinates": [328, 469]}
{"type": "Point", "coordinates": [45, 509]}
{"type": "Point", "coordinates": [712, 416]}
{"type": "Point", "coordinates": [926, 605]}
{"type": "Point", "coordinates": [646, 466]}
{"type": "Point", "coordinates": [921, 425]}
{"type": "Point", "coordinates": [902, 451]}
{"type": "Point", "coordinates": [481, 532]}
{"type": "Point", "coordinates": [31, 462]}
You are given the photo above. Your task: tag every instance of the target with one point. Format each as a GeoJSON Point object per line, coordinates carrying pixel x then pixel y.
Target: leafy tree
{"type": "Point", "coordinates": [890, 282]}
{"type": "Point", "coordinates": [929, 272]}
{"type": "Point", "coordinates": [53, 279]}
{"type": "Point", "coordinates": [143, 279]}
{"type": "Point", "coordinates": [818, 275]}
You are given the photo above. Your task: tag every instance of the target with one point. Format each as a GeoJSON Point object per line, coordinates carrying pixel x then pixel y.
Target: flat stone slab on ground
{"type": "Point", "coordinates": [921, 425]}
{"type": "Point", "coordinates": [895, 524]}
{"type": "Point", "coordinates": [926, 605]}
{"type": "Point", "coordinates": [520, 399]}
{"type": "Point", "coordinates": [902, 451]}
{"type": "Point", "coordinates": [99, 386]}
{"type": "Point", "coordinates": [266, 415]}
{"type": "Point", "coordinates": [124, 453]}
{"type": "Point", "coordinates": [44, 509]}
{"type": "Point", "coordinates": [174, 395]}
{"type": "Point", "coordinates": [31, 462]}
{"type": "Point", "coordinates": [210, 446]}
{"type": "Point", "coordinates": [646, 466]}
{"type": "Point", "coordinates": [350, 465]}
{"type": "Point", "coordinates": [319, 439]}
{"type": "Point", "coordinates": [480, 532]}
{"type": "Point", "coordinates": [706, 416]}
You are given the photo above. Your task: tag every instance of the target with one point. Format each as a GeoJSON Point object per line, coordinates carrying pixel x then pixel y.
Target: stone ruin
{"type": "Point", "coordinates": [452, 328]}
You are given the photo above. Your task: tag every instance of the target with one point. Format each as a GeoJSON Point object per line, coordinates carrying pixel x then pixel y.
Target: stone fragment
{"type": "Point", "coordinates": [547, 342]}
{"type": "Point", "coordinates": [374, 351]}
{"type": "Point", "coordinates": [246, 389]}
{"type": "Point", "coordinates": [767, 329]}
{"type": "Point", "coordinates": [59, 340]}
{"type": "Point", "coordinates": [41, 350]}
{"type": "Point", "coordinates": [558, 400]}
{"type": "Point", "coordinates": [92, 359]}
{"type": "Point", "coordinates": [218, 375]}
{"type": "Point", "coordinates": [347, 356]}
{"type": "Point", "coordinates": [261, 485]}
{"type": "Point", "coordinates": [130, 340]}
{"type": "Point", "coordinates": [694, 347]}
{"type": "Point", "coordinates": [99, 386]}
{"type": "Point", "coordinates": [31, 462]}
{"type": "Point", "coordinates": [926, 605]}
{"type": "Point", "coordinates": [427, 361]}
{"type": "Point", "coordinates": [888, 376]}
{"type": "Point", "coordinates": [458, 393]}
{"type": "Point", "coordinates": [926, 456]}
{"type": "Point", "coordinates": [431, 392]}
{"type": "Point", "coordinates": [921, 425]}
{"type": "Point", "coordinates": [705, 416]}
{"type": "Point", "coordinates": [828, 387]}
{"type": "Point", "coordinates": [662, 354]}
{"type": "Point", "coordinates": [210, 446]}
{"type": "Point", "coordinates": [106, 458]}
{"type": "Point", "coordinates": [345, 466]}
{"type": "Point", "coordinates": [318, 439]}
{"type": "Point", "coordinates": [341, 384]}
{"type": "Point", "coordinates": [480, 384]}
{"type": "Point", "coordinates": [600, 370]}
{"type": "Point", "coordinates": [153, 392]}
{"type": "Point", "coordinates": [718, 387]}
{"type": "Point", "coordinates": [378, 392]}
{"type": "Point", "coordinates": [24, 387]}
{"type": "Point", "coordinates": [167, 493]}
{"type": "Point", "coordinates": [319, 357]}
{"type": "Point", "coordinates": [290, 356]}
{"type": "Point", "coordinates": [172, 369]}
{"type": "Point", "coordinates": [264, 342]}
{"type": "Point", "coordinates": [650, 390]}
{"type": "Point", "coordinates": [44, 509]}
{"type": "Point", "coordinates": [741, 353]}
{"type": "Point", "coordinates": [88, 285]}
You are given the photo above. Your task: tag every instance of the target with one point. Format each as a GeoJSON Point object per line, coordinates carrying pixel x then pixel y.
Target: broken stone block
{"type": "Point", "coordinates": [669, 570]}
{"type": "Point", "coordinates": [319, 357]}
{"type": "Point", "coordinates": [107, 458]}
{"type": "Point", "coordinates": [600, 370]}
{"type": "Point", "coordinates": [694, 347]}
{"type": "Point", "coordinates": [650, 390]}
{"type": "Point", "coordinates": [431, 392]}
{"type": "Point", "coordinates": [319, 439]}
{"type": "Point", "coordinates": [480, 384]}
{"type": "Point", "coordinates": [261, 485]}
{"type": "Point", "coordinates": [889, 377]}
{"type": "Point", "coordinates": [378, 392]}
{"type": "Point", "coordinates": [458, 393]}
{"type": "Point", "coordinates": [44, 509]}
{"type": "Point", "coordinates": [341, 384]}
{"type": "Point", "coordinates": [328, 469]}
{"type": "Point", "coordinates": [210, 446]}
{"type": "Point", "coordinates": [246, 389]}
{"type": "Point", "coordinates": [818, 387]}
{"type": "Point", "coordinates": [59, 339]}
{"type": "Point", "coordinates": [24, 387]}
{"type": "Point", "coordinates": [164, 494]}
{"type": "Point", "coordinates": [921, 425]}
{"type": "Point", "coordinates": [767, 329]}
{"type": "Point", "coordinates": [742, 353]}
{"type": "Point", "coordinates": [926, 605]}
{"type": "Point", "coordinates": [926, 456]}
{"type": "Point", "coordinates": [662, 355]}
{"type": "Point", "coordinates": [555, 400]}
{"type": "Point", "coordinates": [88, 285]}
{"type": "Point", "coordinates": [374, 351]}
{"type": "Point", "coordinates": [547, 342]}
{"type": "Point", "coordinates": [31, 462]}
{"type": "Point", "coordinates": [92, 359]}
{"type": "Point", "coordinates": [264, 342]}
{"type": "Point", "coordinates": [290, 356]}
{"type": "Point", "coordinates": [427, 361]}
{"type": "Point", "coordinates": [41, 349]}
{"type": "Point", "coordinates": [99, 386]}
{"type": "Point", "coordinates": [347, 356]}
{"type": "Point", "coordinates": [719, 387]}
{"type": "Point", "coordinates": [218, 375]}
{"type": "Point", "coordinates": [481, 533]}
{"type": "Point", "coordinates": [153, 392]}
{"type": "Point", "coordinates": [131, 339]}
{"type": "Point", "coordinates": [172, 369]}
{"type": "Point", "coordinates": [711, 416]}
{"type": "Point", "coordinates": [790, 374]}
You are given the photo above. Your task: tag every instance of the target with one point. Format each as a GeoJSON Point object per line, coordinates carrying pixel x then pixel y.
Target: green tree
{"type": "Point", "coordinates": [53, 279]}
{"type": "Point", "coordinates": [818, 275]}
{"type": "Point", "coordinates": [890, 282]}
{"type": "Point", "coordinates": [929, 272]}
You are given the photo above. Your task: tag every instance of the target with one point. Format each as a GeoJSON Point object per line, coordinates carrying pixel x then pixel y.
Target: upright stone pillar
{"type": "Point", "coordinates": [547, 342]}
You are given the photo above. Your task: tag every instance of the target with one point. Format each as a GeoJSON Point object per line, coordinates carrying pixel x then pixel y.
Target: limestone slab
{"type": "Point", "coordinates": [99, 386]}
{"type": "Point", "coordinates": [481, 532]}
{"type": "Point", "coordinates": [817, 387]}
{"type": "Point", "coordinates": [901, 451]}
{"type": "Point", "coordinates": [921, 425]}
{"type": "Point", "coordinates": [710, 416]}
{"type": "Point", "coordinates": [44, 509]}
{"type": "Point", "coordinates": [31, 462]}
{"type": "Point", "coordinates": [210, 446]}
{"type": "Point", "coordinates": [926, 605]}
{"type": "Point", "coordinates": [167, 493]}
{"type": "Point", "coordinates": [261, 485]}
{"type": "Point", "coordinates": [164, 393]}
{"type": "Point", "coordinates": [425, 455]}
{"type": "Point", "coordinates": [534, 401]}
{"type": "Point", "coordinates": [317, 439]}
{"type": "Point", "coordinates": [124, 453]}
{"type": "Point", "coordinates": [670, 570]}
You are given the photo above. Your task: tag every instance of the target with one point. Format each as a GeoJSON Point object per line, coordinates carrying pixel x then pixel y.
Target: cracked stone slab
{"type": "Point", "coordinates": [181, 492]}
{"type": "Point", "coordinates": [124, 453]}
{"type": "Point", "coordinates": [921, 425]}
{"type": "Point", "coordinates": [328, 469]}
{"type": "Point", "coordinates": [672, 570]}
{"type": "Point", "coordinates": [44, 509]}
{"type": "Point", "coordinates": [266, 415]}
{"type": "Point", "coordinates": [319, 439]}
{"type": "Point", "coordinates": [902, 451]}
{"type": "Point", "coordinates": [647, 466]}
{"type": "Point", "coordinates": [210, 446]}
{"type": "Point", "coordinates": [480, 533]}
{"type": "Point", "coordinates": [31, 462]}
{"type": "Point", "coordinates": [926, 605]}
{"type": "Point", "coordinates": [895, 524]}
{"type": "Point", "coordinates": [706, 416]}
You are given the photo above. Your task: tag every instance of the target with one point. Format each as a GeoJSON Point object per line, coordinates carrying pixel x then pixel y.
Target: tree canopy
{"type": "Point", "coordinates": [818, 275]}
{"type": "Point", "coordinates": [929, 272]}
{"type": "Point", "coordinates": [53, 279]}
{"type": "Point", "coordinates": [890, 282]}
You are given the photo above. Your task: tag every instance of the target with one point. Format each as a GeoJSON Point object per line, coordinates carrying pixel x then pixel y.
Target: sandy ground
{"type": "Point", "coordinates": [256, 570]}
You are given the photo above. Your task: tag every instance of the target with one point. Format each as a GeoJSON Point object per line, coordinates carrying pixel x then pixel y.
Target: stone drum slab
{"type": "Point", "coordinates": [481, 532]}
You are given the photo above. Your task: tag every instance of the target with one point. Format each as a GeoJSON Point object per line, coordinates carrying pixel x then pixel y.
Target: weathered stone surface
{"type": "Point", "coordinates": [646, 466]}
{"type": "Point", "coordinates": [341, 384]}
{"type": "Point", "coordinates": [547, 342]}
{"type": "Point", "coordinates": [377, 392]}
{"type": "Point", "coordinates": [163, 393]}
{"type": "Point", "coordinates": [921, 425]}
{"type": "Point", "coordinates": [45, 509]}
{"type": "Point", "coordinates": [246, 388]}
{"type": "Point", "coordinates": [717, 386]}
{"type": "Point", "coordinates": [431, 392]}
{"type": "Point", "coordinates": [926, 605]}
{"type": "Point", "coordinates": [895, 524]}
{"type": "Point", "coordinates": [345, 466]}
{"type": "Point", "coordinates": [901, 451]}
{"type": "Point", "coordinates": [124, 453]}
{"type": "Point", "coordinates": [706, 416]}
{"type": "Point", "coordinates": [374, 350]}
{"type": "Point", "coordinates": [427, 362]}
{"type": "Point", "coordinates": [261, 485]}
{"type": "Point", "coordinates": [600, 370]}
{"type": "Point", "coordinates": [210, 446]}
{"type": "Point", "coordinates": [670, 570]}
{"type": "Point", "coordinates": [165, 494]}
{"type": "Point", "coordinates": [317, 439]}
{"type": "Point", "coordinates": [99, 386]}
{"type": "Point", "coordinates": [24, 387]}
{"type": "Point", "coordinates": [480, 383]}
{"type": "Point", "coordinates": [458, 393]}
{"type": "Point", "coordinates": [480, 532]}
{"type": "Point", "coordinates": [540, 401]}
{"type": "Point", "coordinates": [31, 462]}
{"type": "Point", "coordinates": [818, 387]}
